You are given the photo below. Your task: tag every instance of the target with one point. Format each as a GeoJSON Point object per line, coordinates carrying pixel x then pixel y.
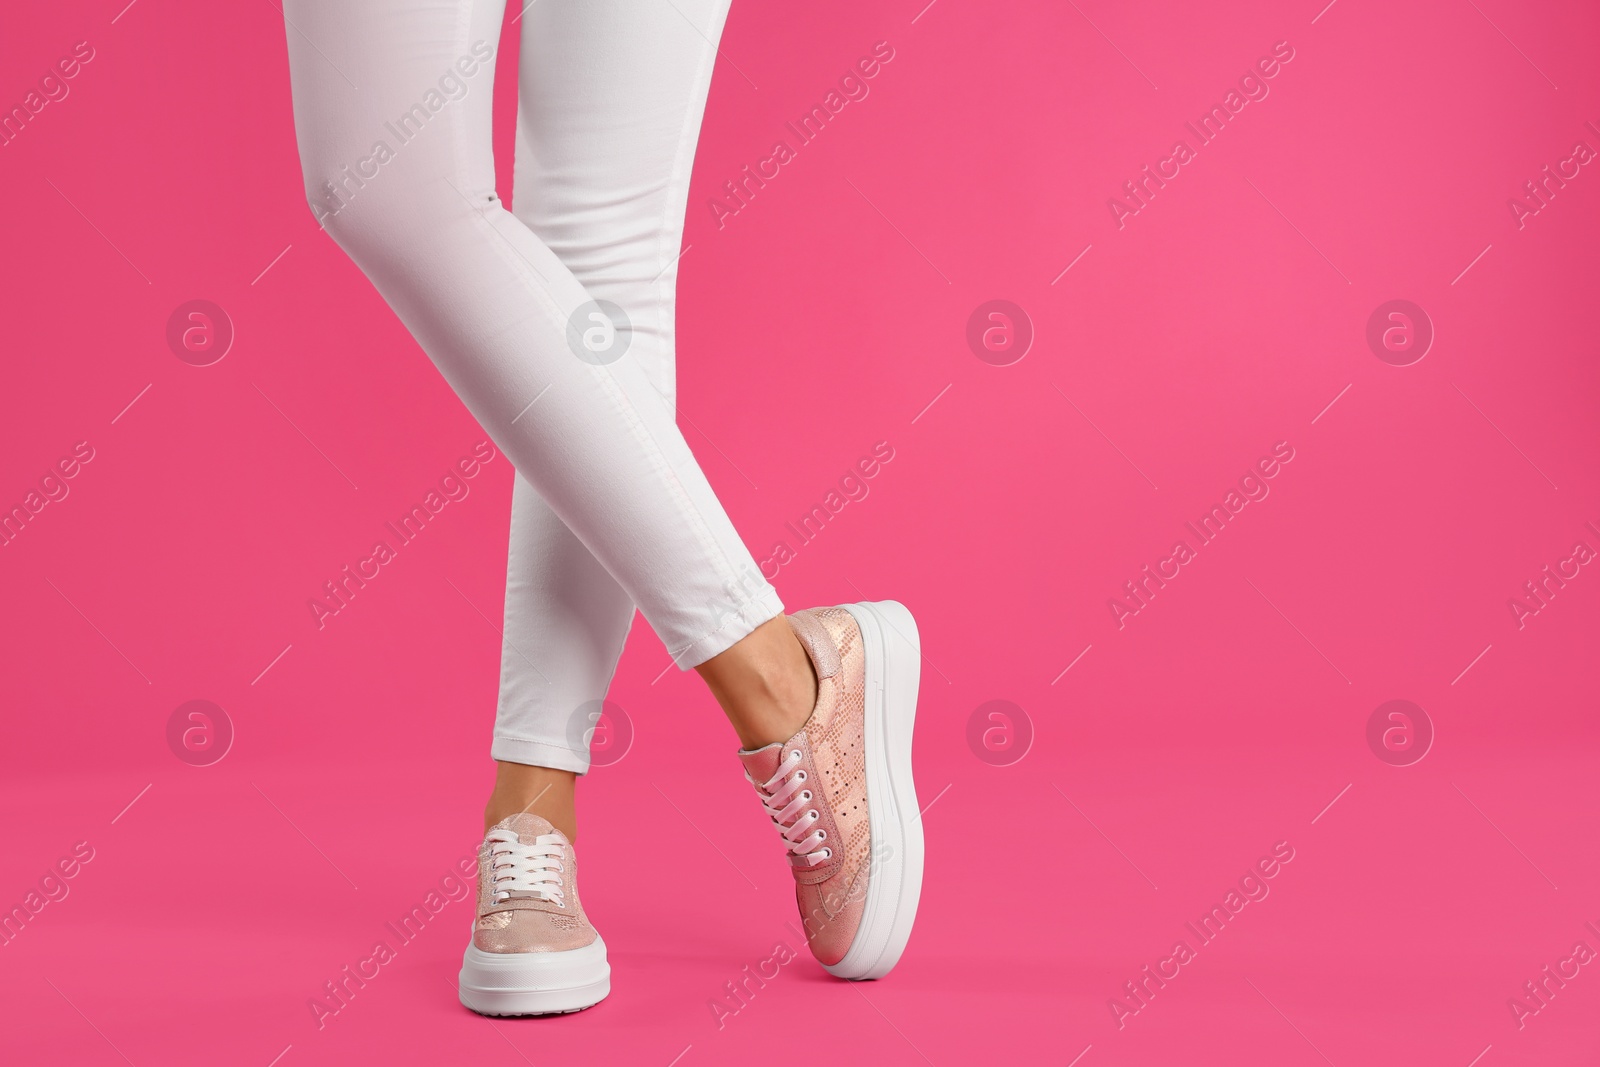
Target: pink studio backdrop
{"type": "Point", "coordinates": [1441, 910]}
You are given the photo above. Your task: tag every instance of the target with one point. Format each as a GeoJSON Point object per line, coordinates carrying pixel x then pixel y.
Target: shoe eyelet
{"type": "Point", "coordinates": [822, 835]}
{"type": "Point", "coordinates": [806, 795]}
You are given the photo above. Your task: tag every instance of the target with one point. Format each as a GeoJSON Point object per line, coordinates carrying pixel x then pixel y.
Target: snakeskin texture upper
{"type": "Point", "coordinates": [832, 742]}
{"type": "Point", "coordinates": [524, 925]}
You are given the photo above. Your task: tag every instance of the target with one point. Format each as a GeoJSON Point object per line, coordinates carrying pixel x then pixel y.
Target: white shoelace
{"type": "Point", "coordinates": [786, 802]}
{"type": "Point", "coordinates": [528, 871]}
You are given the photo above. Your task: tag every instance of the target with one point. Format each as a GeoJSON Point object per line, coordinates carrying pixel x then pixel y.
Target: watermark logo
{"type": "Point", "coordinates": [1399, 733]}
{"type": "Point", "coordinates": [1140, 591]}
{"type": "Point", "coordinates": [337, 993]}
{"type": "Point", "coordinates": [339, 592]}
{"type": "Point", "coordinates": [851, 486]}
{"type": "Point", "coordinates": [1252, 888]}
{"type": "Point", "coordinates": [199, 733]}
{"type": "Point", "coordinates": [1138, 192]}
{"type": "Point", "coordinates": [1541, 190]}
{"type": "Point", "coordinates": [52, 889]}
{"type": "Point", "coordinates": [999, 732]}
{"type": "Point", "coordinates": [52, 89]}
{"type": "Point", "coordinates": [52, 488]}
{"type": "Point", "coordinates": [599, 332]}
{"type": "Point", "coordinates": [199, 332]}
{"type": "Point", "coordinates": [1399, 332]}
{"type": "Point", "coordinates": [603, 729]}
{"type": "Point", "coordinates": [1540, 991]}
{"type": "Point", "coordinates": [1542, 588]}
{"type": "Point", "coordinates": [999, 333]}
{"type": "Point", "coordinates": [340, 187]}
{"type": "Point", "coordinates": [739, 192]}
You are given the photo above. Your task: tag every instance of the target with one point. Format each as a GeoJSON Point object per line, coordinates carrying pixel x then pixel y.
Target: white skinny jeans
{"type": "Point", "coordinates": [392, 105]}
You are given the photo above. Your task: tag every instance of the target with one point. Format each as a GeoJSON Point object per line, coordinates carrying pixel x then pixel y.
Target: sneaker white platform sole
{"type": "Point", "coordinates": [894, 883]}
{"type": "Point", "coordinates": [534, 983]}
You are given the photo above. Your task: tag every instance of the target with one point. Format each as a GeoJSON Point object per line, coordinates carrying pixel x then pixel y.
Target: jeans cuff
{"type": "Point", "coordinates": [539, 754]}
{"type": "Point", "coordinates": [764, 606]}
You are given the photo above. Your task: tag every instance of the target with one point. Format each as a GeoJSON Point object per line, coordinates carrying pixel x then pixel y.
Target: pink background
{"type": "Point", "coordinates": [1226, 716]}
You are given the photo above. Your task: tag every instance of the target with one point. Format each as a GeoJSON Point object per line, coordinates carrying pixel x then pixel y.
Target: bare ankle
{"type": "Point", "coordinates": [765, 684]}
{"type": "Point", "coordinates": [543, 791]}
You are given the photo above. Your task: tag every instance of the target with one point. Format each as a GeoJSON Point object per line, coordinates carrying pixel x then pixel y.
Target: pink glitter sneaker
{"type": "Point", "coordinates": [533, 951]}
{"type": "Point", "coordinates": [840, 791]}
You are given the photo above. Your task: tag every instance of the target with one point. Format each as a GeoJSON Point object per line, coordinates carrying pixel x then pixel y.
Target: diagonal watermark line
{"type": "Point", "coordinates": [934, 801]}
{"type": "Point", "coordinates": [90, 1021]}
{"type": "Point", "coordinates": [97, 629]}
{"type": "Point", "coordinates": [1292, 1026]}
{"type": "Point", "coordinates": [1299, 631]}
{"type": "Point", "coordinates": [132, 402]}
{"type": "Point", "coordinates": [274, 263]}
{"type": "Point", "coordinates": [130, 804]}
{"type": "Point", "coordinates": [271, 665]}
{"type": "Point", "coordinates": [1502, 433]}
{"type": "Point", "coordinates": [496, 1025]}
{"type": "Point", "coordinates": [1502, 833]}
{"type": "Point", "coordinates": [923, 12]}
{"type": "Point", "coordinates": [123, 12]}
{"type": "Point", "coordinates": [499, 631]}
{"type": "Point", "coordinates": [101, 232]}
{"type": "Point", "coordinates": [1102, 433]}
{"type": "Point", "coordinates": [526, 807]}
{"type": "Point", "coordinates": [1474, 663]}
{"type": "Point", "coordinates": [1513, 44]}
{"type": "Point", "coordinates": [1332, 402]}
{"type": "Point", "coordinates": [902, 636]}
{"type": "Point", "coordinates": [1102, 833]}
{"type": "Point", "coordinates": [1331, 803]}
{"type": "Point", "coordinates": [713, 44]}
{"type": "Point", "coordinates": [669, 266]}
{"type": "Point", "coordinates": [1474, 263]}
{"type": "Point", "coordinates": [280, 1055]}
{"type": "Point", "coordinates": [857, 987]}
{"type": "Point", "coordinates": [302, 433]}
{"type": "Point", "coordinates": [899, 231]}
{"type": "Point", "coordinates": [302, 833]}
{"type": "Point", "coordinates": [702, 833]}
{"type": "Point", "coordinates": [530, 403]}
{"type": "Point", "coordinates": [663, 673]}
{"type": "Point", "coordinates": [1480, 1055]}
{"type": "Point", "coordinates": [1071, 665]}
{"type": "Point", "coordinates": [1080, 1055]}
{"type": "Point", "coordinates": [1301, 232]}
{"type": "Point", "coordinates": [930, 403]}
{"type": "Point", "coordinates": [680, 1056]}
{"type": "Point", "coordinates": [524, 11]}
{"type": "Point", "coordinates": [1113, 44]}
{"type": "Point", "coordinates": [1324, 11]}
{"type": "Point", "coordinates": [1069, 266]}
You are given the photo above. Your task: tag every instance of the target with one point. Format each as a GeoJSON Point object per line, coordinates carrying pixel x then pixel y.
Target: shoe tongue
{"type": "Point", "coordinates": [762, 763]}
{"type": "Point", "coordinates": [528, 826]}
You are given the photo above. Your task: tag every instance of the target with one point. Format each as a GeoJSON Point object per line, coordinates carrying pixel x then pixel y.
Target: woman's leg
{"type": "Point", "coordinates": [611, 97]}
{"type": "Point", "coordinates": [392, 110]}
{"type": "Point", "coordinates": [395, 148]}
